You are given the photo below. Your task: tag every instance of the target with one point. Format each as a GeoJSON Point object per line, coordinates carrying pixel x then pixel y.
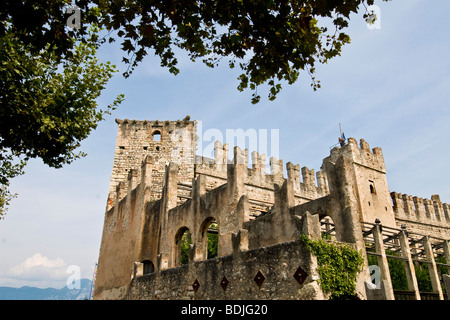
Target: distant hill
{"type": "Point", "coordinates": [33, 293]}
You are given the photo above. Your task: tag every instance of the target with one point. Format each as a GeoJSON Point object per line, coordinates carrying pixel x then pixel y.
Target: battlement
{"type": "Point", "coordinates": [156, 123]}
{"type": "Point", "coordinates": [407, 207]}
{"type": "Point", "coordinates": [259, 184]}
{"type": "Point", "coordinates": [304, 180]}
{"type": "Point", "coordinates": [155, 135]}
{"type": "Point", "coordinates": [307, 184]}
{"type": "Point", "coordinates": [361, 154]}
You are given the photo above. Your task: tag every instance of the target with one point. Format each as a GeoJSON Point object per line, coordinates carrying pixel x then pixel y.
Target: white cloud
{"type": "Point", "coordinates": [37, 261]}
{"type": "Point", "coordinates": [39, 271]}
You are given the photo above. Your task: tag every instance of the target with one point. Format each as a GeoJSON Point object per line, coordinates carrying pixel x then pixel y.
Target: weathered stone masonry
{"type": "Point", "coordinates": [159, 189]}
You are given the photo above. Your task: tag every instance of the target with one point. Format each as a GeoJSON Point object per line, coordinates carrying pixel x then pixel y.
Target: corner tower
{"type": "Point", "coordinates": [361, 181]}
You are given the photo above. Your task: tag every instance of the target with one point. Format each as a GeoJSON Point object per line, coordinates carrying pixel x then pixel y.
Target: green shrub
{"type": "Point", "coordinates": [338, 267]}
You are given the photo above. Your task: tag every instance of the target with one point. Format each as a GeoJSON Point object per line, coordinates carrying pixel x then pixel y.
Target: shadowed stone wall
{"type": "Point", "coordinates": [285, 271]}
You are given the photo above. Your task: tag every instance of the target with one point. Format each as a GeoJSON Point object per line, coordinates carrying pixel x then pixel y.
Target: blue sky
{"type": "Point", "coordinates": [391, 86]}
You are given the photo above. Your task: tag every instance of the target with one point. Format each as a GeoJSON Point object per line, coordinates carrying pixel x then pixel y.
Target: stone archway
{"type": "Point", "coordinates": [183, 243]}
{"type": "Point", "coordinates": [207, 244]}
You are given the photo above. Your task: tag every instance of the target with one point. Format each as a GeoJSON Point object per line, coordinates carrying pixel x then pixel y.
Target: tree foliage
{"type": "Point", "coordinates": [212, 241]}
{"type": "Point", "coordinates": [48, 108]}
{"type": "Point", "coordinates": [48, 101]}
{"type": "Point", "coordinates": [271, 41]}
{"type": "Point", "coordinates": [185, 247]}
{"type": "Point", "coordinates": [10, 167]}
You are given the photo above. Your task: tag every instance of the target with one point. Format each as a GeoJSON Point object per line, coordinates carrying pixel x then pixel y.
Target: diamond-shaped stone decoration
{"type": "Point", "coordinates": [300, 275]}
{"type": "Point", "coordinates": [259, 278]}
{"type": "Point", "coordinates": [224, 283]}
{"type": "Point", "coordinates": [196, 285]}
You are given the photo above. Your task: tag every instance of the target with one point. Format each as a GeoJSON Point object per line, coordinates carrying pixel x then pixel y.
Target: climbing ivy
{"type": "Point", "coordinates": [338, 266]}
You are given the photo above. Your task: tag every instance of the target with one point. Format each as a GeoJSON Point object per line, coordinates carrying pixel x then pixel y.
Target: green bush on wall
{"type": "Point", "coordinates": [338, 267]}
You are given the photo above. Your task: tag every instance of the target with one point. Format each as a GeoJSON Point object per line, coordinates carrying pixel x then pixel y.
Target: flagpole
{"type": "Point", "coordinates": [342, 136]}
{"type": "Point", "coordinates": [94, 276]}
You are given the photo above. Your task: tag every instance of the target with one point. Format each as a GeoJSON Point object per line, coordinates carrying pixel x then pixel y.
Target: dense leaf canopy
{"type": "Point", "coordinates": [48, 96]}
{"type": "Point", "coordinates": [271, 41]}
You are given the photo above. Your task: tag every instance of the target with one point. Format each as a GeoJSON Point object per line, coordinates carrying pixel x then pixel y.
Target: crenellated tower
{"type": "Point", "coordinates": [364, 171]}
{"type": "Point", "coordinates": [163, 141]}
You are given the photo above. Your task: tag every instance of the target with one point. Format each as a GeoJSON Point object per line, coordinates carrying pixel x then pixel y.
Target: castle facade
{"type": "Point", "coordinates": [181, 226]}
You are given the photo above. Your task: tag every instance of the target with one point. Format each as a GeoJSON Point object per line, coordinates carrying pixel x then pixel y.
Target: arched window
{"type": "Point", "coordinates": [327, 228]}
{"type": "Point", "coordinates": [183, 241]}
{"type": "Point", "coordinates": [210, 238]}
{"type": "Point", "coordinates": [212, 235]}
{"type": "Point", "coordinates": [157, 135]}
{"type": "Point", "coordinates": [149, 267]}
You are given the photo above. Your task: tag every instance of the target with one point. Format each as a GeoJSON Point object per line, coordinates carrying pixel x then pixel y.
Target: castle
{"type": "Point", "coordinates": [163, 196]}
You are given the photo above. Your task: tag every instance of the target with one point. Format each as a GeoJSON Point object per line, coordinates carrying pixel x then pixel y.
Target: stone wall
{"type": "Point", "coordinates": [423, 216]}
{"type": "Point", "coordinates": [236, 277]}
{"type": "Point", "coordinates": [123, 228]}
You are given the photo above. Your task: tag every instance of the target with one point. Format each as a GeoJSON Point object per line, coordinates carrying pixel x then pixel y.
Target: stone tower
{"type": "Point", "coordinates": [163, 141]}
{"type": "Point", "coordinates": [361, 174]}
